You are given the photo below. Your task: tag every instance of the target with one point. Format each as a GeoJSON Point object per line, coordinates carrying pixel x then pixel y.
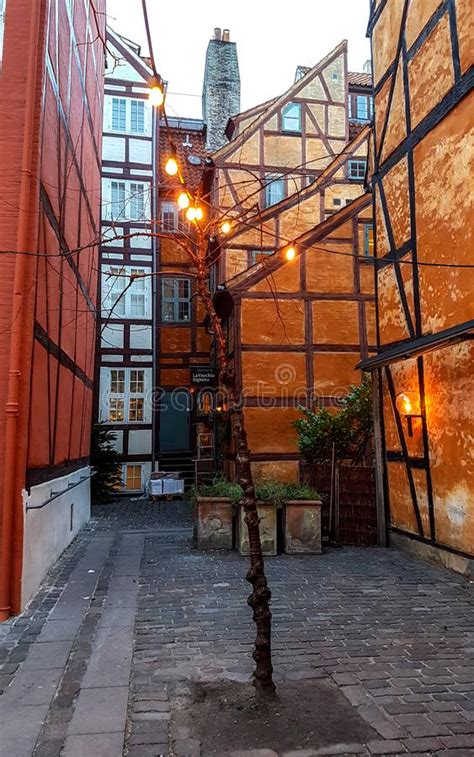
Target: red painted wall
{"type": "Point", "coordinates": [58, 318]}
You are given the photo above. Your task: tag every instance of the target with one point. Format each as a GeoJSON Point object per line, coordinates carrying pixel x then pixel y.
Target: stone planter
{"type": "Point", "coordinates": [268, 529]}
{"type": "Point", "coordinates": [302, 527]}
{"type": "Point", "coordinates": [213, 522]}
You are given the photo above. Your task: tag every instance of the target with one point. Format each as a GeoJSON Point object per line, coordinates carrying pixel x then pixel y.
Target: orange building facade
{"type": "Point", "coordinates": [291, 176]}
{"type": "Point", "coordinates": [422, 180]}
{"type": "Point", "coordinates": [51, 76]}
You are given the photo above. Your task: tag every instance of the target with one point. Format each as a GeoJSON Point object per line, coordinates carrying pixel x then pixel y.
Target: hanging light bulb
{"type": "Point", "coordinates": [183, 200]}
{"type": "Point", "coordinates": [191, 214]}
{"type": "Point", "coordinates": [290, 253]}
{"type": "Point", "coordinates": [156, 96]}
{"type": "Point", "coordinates": [171, 166]}
{"type": "Point", "coordinates": [226, 227]}
{"type": "Point", "coordinates": [199, 214]}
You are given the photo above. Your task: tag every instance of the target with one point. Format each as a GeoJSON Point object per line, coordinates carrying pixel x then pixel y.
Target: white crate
{"type": "Point", "coordinates": [160, 487]}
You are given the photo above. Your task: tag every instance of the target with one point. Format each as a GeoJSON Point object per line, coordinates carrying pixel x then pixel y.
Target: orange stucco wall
{"type": "Point", "coordinates": [430, 211]}
{"type": "Point", "coordinates": [303, 328]}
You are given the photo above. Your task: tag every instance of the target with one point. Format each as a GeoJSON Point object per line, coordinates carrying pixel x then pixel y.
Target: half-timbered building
{"type": "Point", "coordinates": [126, 332]}
{"type": "Point", "coordinates": [183, 341]}
{"type": "Point", "coordinates": [422, 188]}
{"type": "Point", "coordinates": [296, 331]}
{"type": "Point", "coordinates": [291, 176]}
{"type": "Point", "coordinates": [51, 59]}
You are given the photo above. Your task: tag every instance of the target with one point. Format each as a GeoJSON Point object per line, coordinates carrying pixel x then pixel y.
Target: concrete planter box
{"type": "Point", "coordinates": [268, 529]}
{"type": "Point", "coordinates": [213, 522]}
{"type": "Point", "coordinates": [302, 527]}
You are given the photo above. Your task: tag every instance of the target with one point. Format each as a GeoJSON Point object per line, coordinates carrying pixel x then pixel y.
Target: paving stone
{"type": "Point", "coordinates": [94, 745]}
{"type": "Point", "coordinates": [385, 747]}
{"type": "Point", "coordinates": [422, 745]}
{"type": "Point", "coordinates": [100, 710]}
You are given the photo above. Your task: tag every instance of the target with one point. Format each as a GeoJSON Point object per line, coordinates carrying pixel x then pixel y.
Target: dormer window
{"type": "Point", "coordinates": [291, 117]}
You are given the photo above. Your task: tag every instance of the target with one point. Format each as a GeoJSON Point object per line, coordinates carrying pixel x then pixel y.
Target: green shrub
{"type": "Point", "coordinates": [280, 494]}
{"type": "Point", "coordinates": [350, 430]}
{"type": "Point", "coordinates": [218, 487]}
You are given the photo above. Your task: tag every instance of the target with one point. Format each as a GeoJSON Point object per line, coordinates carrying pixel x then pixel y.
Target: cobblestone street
{"type": "Point", "coordinates": [105, 659]}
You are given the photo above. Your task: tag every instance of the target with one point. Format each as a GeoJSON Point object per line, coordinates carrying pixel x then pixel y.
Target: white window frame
{"type": "Point", "coordinates": [126, 397]}
{"type": "Point", "coordinates": [120, 114]}
{"type": "Point", "coordinates": [121, 296]}
{"type": "Point", "coordinates": [139, 117]}
{"type": "Point", "coordinates": [130, 122]}
{"type": "Point", "coordinates": [126, 200]}
{"type": "Point", "coordinates": [178, 225]}
{"type": "Point", "coordinates": [291, 123]}
{"type": "Point", "coordinates": [271, 196]}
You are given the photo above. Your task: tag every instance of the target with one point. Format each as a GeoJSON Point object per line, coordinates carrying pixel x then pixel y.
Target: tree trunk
{"type": "Point", "coordinates": [259, 599]}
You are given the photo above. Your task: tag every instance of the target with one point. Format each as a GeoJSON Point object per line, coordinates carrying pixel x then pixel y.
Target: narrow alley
{"type": "Point", "coordinates": [131, 622]}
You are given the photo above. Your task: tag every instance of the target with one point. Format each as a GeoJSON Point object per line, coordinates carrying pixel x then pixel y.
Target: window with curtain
{"type": "Point", "coordinates": [125, 292]}
{"type": "Point", "coordinates": [291, 117]}
{"type": "Point", "coordinates": [274, 189]}
{"type": "Point", "coordinates": [175, 300]}
{"type": "Point", "coordinates": [126, 396]}
{"type": "Point", "coordinates": [137, 202]}
{"type": "Point", "coordinates": [118, 194]}
{"type": "Point", "coordinates": [169, 216]}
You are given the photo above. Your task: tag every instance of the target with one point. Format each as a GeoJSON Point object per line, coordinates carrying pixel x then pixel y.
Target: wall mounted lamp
{"type": "Point", "coordinates": [408, 406]}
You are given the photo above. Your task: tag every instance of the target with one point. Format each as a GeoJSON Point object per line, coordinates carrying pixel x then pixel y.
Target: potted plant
{"type": "Point", "coordinates": [302, 520]}
{"type": "Point", "coordinates": [214, 505]}
{"type": "Point", "coordinates": [270, 497]}
{"type": "Point", "coordinates": [301, 507]}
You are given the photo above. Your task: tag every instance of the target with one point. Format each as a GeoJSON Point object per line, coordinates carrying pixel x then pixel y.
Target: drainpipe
{"type": "Point", "coordinates": [11, 489]}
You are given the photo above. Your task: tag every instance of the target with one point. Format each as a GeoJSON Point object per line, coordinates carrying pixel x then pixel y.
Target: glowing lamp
{"type": "Point", "coordinates": [183, 200]}
{"type": "Point", "coordinates": [198, 214]}
{"type": "Point", "coordinates": [191, 214]}
{"type": "Point", "coordinates": [408, 407]}
{"type": "Point", "coordinates": [290, 253]}
{"type": "Point", "coordinates": [156, 96]}
{"type": "Point", "coordinates": [171, 167]}
{"type": "Point", "coordinates": [226, 227]}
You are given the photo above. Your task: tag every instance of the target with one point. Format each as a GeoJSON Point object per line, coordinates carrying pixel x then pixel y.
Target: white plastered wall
{"type": "Point", "coordinates": [49, 530]}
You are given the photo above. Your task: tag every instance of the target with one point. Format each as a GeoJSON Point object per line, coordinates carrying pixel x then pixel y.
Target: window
{"type": "Point", "coordinates": [126, 396]}
{"type": "Point", "coordinates": [119, 114]}
{"type": "Point", "coordinates": [256, 256]}
{"type": "Point", "coordinates": [362, 108]}
{"type": "Point", "coordinates": [133, 477]}
{"type": "Point", "coordinates": [291, 117]}
{"type": "Point", "coordinates": [137, 202]}
{"type": "Point", "coordinates": [127, 115]}
{"type": "Point", "coordinates": [176, 300]}
{"type": "Point", "coordinates": [336, 201]}
{"type": "Point", "coordinates": [274, 189]}
{"type": "Point", "coordinates": [357, 168]}
{"type": "Point", "coordinates": [125, 292]}
{"type": "Point", "coordinates": [369, 240]}
{"type": "Point", "coordinates": [118, 200]}
{"type": "Point", "coordinates": [126, 200]}
{"type": "Point", "coordinates": [169, 216]}
{"type": "Point", "coordinates": [137, 116]}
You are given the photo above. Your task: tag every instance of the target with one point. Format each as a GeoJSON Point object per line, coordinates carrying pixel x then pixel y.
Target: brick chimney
{"type": "Point", "coordinates": [221, 87]}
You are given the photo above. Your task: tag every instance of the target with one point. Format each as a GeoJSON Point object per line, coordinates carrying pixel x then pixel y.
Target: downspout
{"type": "Point", "coordinates": [11, 492]}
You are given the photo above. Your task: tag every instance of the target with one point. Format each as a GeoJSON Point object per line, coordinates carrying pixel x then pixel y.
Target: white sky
{"type": "Point", "coordinates": [272, 39]}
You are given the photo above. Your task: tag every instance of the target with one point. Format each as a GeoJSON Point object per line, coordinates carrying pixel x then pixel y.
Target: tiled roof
{"type": "Point", "coordinates": [187, 142]}
{"type": "Point", "coordinates": [360, 79]}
